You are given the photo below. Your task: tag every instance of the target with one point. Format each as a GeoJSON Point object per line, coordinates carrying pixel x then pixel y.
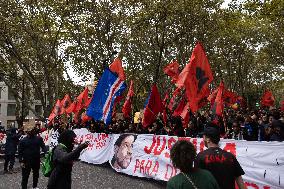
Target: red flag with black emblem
{"type": "Point", "coordinates": [267, 99]}
{"type": "Point", "coordinates": [65, 103]}
{"type": "Point", "coordinates": [218, 106]}
{"type": "Point", "coordinates": [229, 97]}
{"type": "Point", "coordinates": [195, 77]}
{"type": "Point", "coordinates": [56, 111]}
{"type": "Point", "coordinates": [172, 70]}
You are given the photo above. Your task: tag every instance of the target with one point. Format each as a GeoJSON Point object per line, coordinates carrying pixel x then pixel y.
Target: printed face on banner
{"type": "Point", "coordinates": [123, 151]}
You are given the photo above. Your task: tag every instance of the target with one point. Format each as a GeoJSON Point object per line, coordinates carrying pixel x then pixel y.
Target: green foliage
{"type": "Point", "coordinates": [244, 42]}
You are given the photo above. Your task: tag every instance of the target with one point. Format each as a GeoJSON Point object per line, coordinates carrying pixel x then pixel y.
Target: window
{"type": "Point", "coordinates": [0, 109]}
{"type": "Point", "coordinates": [1, 92]}
{"type": "Point", "coordinates": [11, 110]}
{"type": "Point", "coordinates": [10, 94]}
{"type": "Point", "coordinates": [38, 109]}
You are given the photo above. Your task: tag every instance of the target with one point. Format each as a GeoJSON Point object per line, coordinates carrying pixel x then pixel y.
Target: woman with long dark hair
{"type": "Point", "coordinates": [183, 154]}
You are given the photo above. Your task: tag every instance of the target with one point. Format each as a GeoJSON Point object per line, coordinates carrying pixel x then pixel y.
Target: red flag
{"type": "Point", "coordinates": [172, 70]}
{"type": "Point", "coordinates": [211, 98]}
{"type": "Point", "coordinates": [267, 99]}
{"type": "Point", "coordinates": [85, 117]}
{"type": "Point", "coordinates": [229, 97]}
{"type": "Point", "coordinates": [195, 77]}
{"type": "Point", "coordinates": [65, 103]}
{"type": "Point", "coordinates": [127, 106]}
{"type": "Point", "coordinates": [88, 102]}
{"type": "Point", "coordinates": [218, 106]}
{"type": "Point", "coordinates": [56, 111]}
{"type": "Point", "coordinates": [71, 108]}
{"type": "Point", "coordinates": [180, 108]}
{"type": "Point", "coordinates": [185, 115]}
{"type": "Point", "coordinates": [202, 102]}
{"type": "Point", "coordinates": [116, 67]}
{"type": "Point", "coordinates": [153, 107]}
{"type": "Point", "coordinates": [115, 103]}
{"type": "Point", "coordinates": [172, 100]}
{"type": "Point", "coordinates": [82, 100]}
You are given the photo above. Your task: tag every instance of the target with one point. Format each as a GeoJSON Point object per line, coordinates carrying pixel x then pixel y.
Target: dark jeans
{"type": "Point", "coordinates": [30, 165]}
{"type": "Point", "coordinates": [9, 158]}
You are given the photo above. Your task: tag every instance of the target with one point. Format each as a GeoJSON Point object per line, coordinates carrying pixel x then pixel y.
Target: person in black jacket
{"type": "Point", "coordinates": [63, 158]}
{"type": "Point", "coordinates": [29, 155]}
{"type": "Point", "coordinates": [10, 149]}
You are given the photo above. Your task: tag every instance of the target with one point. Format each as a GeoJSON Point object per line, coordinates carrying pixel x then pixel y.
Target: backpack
{"type": "Point", "coordinates": [48, 164]}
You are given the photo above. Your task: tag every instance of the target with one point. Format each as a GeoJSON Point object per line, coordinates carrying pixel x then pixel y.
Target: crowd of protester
{"type": "Point", "coordinates": [259, 125]}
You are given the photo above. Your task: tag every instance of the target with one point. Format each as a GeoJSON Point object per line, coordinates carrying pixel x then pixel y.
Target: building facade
{"type": "Point", "coordinates": [8, 108]}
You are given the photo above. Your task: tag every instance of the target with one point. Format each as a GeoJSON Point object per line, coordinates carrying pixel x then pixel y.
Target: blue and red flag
{"type": "Point", "coordinates": [108, 88]}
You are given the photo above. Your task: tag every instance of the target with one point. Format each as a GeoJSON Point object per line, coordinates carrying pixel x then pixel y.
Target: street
{"type": "Point", "coordinates": [84, 176]}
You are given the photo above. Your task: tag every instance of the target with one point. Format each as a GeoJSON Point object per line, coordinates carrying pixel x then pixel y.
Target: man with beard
{"type": "Point", "coordinates": [223, 165]}
{"type": "Point", "coordinates": [62, 158]}
{"type": "Point", "coordinates": [29, 154]}
{"type": "Point", "coordinates": [123, 151]}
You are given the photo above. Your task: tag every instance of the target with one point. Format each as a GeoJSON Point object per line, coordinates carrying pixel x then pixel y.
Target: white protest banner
{"type": "Point", "coordinates": [2, 138]}
{"type": "Point", "coordinates": [149, 156]}
{"type": "Point", "coordinates": [52, 139]}
{"type": "Point", "coordinates": [98, 150]}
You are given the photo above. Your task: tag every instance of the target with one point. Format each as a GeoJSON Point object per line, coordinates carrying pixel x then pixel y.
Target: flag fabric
{"type": "Point", "coordinates": [153, 106]}
{"type": "Point", "coordinates": [267, 99]}
{"type": "Point", "coordinates": [82, 100]}
{"type": "Point", "coordinates": [88, 102]}
{"type": "Point", "coordinates": [65, 103]}
{"type": "Point", "coordinates": [56, 111]}
{"type": "Point", "coordinates": [85, 118]}
{"type": "Point", "coordinates": [218, 106]}
{"type": "Point", "coordinates": [115, 104]}
{"type": "Point", "coordinates": [109, 87]}
{"type": "Point", "coordinates": [71, 108]}
{"type": "Point", "coordinates": [116, 67]}
{"type": "Point", "coordinates": [180, 108]}
{"type": "Point", "coordinates": [196, 77]}
{"type": "Point", "coordinates": [203, 101]}
{"type": "Point", "coordinates": [229, 97]}
{"type": "Point", "coordinates": [172, 70]}
{"type": "Point", "coordinates": [172, 100]}
{"type": "Point", "coordinates": [185, 115]}
{"type": "Point", "coordinates": [127, 106]}
{"type": "Point", "coordinates": [211, 98]}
